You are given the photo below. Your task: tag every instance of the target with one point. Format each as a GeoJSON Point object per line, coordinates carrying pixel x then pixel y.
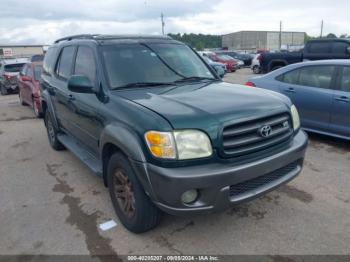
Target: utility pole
{"type": "Point", "coordinates": [321, 28]}
{"type": "Point", "coordinates": [280, 36]}
{"type": "Point", "coordinates": [162, 20]}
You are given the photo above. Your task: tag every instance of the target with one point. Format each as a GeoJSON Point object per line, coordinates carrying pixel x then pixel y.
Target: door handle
{"type": "Point", "coordinates": [343, 99]}
{"type": "Point", "coordinates": [290, 90]}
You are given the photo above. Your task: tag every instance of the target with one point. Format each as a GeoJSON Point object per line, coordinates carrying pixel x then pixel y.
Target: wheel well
{"type": "Point", "coordinates": [277, 63]}
{"type": "Point", "coordinates": [108, 150]}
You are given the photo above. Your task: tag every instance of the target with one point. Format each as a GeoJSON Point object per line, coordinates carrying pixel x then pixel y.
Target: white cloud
{"type": "Point", "coordinates": [39, 21]}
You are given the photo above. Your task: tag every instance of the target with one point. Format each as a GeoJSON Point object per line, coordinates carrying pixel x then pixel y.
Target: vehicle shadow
{"type": "Point", "coordinates": [341, 145]}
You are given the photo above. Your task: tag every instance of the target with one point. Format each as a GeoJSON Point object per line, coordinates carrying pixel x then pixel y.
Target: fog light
{"type": "Point", "coordinates": [189, 196]}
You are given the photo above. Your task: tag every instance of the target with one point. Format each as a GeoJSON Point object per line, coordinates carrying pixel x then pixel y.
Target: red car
{"type": "Point", "coordinates": [28, 83]}
{"type": "Point", "coordinates": [231, 64]}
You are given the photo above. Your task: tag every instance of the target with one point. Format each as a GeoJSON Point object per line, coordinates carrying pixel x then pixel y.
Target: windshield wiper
{"type": "Point", "coordinates": [144, 84]}
{"type": "Point", "coordinates": [195, 78]}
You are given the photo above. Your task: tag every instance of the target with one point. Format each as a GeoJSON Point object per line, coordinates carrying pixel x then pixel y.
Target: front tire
{"type": "Point", "coordinates": [133, 207]}
{"type": "Point", "coordinates": [21, 98]}
{"type": "Point", "coordinates": [3, 90]}
{"type": "Point", "coordinates": [52, 132]}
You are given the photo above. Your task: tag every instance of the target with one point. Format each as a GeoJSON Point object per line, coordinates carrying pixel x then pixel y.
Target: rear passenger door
{"type": "Point", "coordinates": [310, 89]}
{"type": "Point", "coordinates": [340, 118]}
{"type": "Point", "coordinates": [318, 50]}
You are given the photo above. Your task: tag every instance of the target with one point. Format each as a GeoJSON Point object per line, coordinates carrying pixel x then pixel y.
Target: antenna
{"type": "Point", "coordinates": [162, 20]}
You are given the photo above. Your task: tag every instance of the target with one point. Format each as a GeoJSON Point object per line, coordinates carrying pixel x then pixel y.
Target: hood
{"type": "Point", "coordinates": [205, 106]}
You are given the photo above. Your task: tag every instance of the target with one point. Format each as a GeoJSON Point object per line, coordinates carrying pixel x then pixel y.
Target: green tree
{"type": "Point", "coordinates": [198, 41]}
{"type": "Point", "coordinates": [331, 35]}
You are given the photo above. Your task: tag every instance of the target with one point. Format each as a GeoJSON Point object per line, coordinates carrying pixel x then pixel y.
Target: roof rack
{"type": "Point", "coordinates": [81, 36]}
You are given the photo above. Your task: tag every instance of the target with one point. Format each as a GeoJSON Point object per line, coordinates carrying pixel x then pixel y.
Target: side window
{"type": "Point", "coordinates": [64, 66]}
{"type": "Point", "coordinates": [340, 48]}
{"type": "Point", "coordinates": [316, 76]}
{"type": "Point", "coordinates": [49, 60]}
{"type": "Point", "coordinates": [345, 81]}
{"type": "Point", "coordinates": [85, 63]}
{"type": "Point", "coordinates": [290, 77]}
{"type": "Point", "coordinates": [319, 47]}
{"type": "Point", "coordinates": [29, 72]}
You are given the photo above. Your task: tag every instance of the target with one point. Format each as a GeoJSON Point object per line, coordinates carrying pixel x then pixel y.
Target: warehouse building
{"type": "Point", "coordinates": [266, 40]}
{"type": "Point", "coordinates": [16, 51]}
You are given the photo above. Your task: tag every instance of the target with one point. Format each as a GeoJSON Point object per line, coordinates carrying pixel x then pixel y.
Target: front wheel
{"type": "Point", "coordinates": [3, 90]}
{"type": "Point", "coordinates": [133, 207]}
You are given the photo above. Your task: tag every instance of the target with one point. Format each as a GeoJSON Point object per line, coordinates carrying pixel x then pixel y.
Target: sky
{"type": "Point", "coordinates": [43, 21]}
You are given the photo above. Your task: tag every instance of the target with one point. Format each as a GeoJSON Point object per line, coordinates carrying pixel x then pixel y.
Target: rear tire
{"type": "Point", "coordinates": [21, 99]}
{"type": "Point", "coordinates": [3, 90]}
{"type": "Point", "coordinates": [37, 113]}
{"type": "Point", "coordinates": [133, 207]}
{"type": "Point", "coordinates": [256, 69]}
{"type": "Point", "coordinates": [52, 133]}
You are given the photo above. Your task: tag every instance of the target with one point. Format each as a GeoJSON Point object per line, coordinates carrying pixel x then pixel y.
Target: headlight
{"type": "Point", "coordinates": [185, 144]}
{"type": "Point", "coordinates": [295, 117]}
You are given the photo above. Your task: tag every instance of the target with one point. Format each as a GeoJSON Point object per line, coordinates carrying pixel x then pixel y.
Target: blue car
{"type": "Point", "coordinates": [319, 89]}
{"type": "Point", "coordinates": [220, 68]}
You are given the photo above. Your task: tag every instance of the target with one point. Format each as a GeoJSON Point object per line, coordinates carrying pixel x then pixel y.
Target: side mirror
{"type": "Point", "coordinates": [26, 79]}
{"type": "Point", "coordinates": [80, 84]}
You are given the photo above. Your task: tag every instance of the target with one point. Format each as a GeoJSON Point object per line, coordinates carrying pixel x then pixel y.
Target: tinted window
{"type": "Point", "coordinates": [319, 47]}
{"type": "Point", "coordinates": [14, 68]}
{"type": "Point", "coordinates": [37, 58]}
{"type": "Point", "coordinates": [316, 76]}
{"type": "Point", "coordinates": [30, 72]}
{"type": "Point", "coordinates": [290, 77]}
{"type": "Point", "coordinates": [340, 47]}
{"type": "Point", "coordinates": [64, 66]}
{"type": "Point", "coordinates": [49, 60]}
{"type": "Point", "coordinates": [37, 72]}
{"type": "Point", "coordinates": [345, 82]}
{"type": "Point", "coordinates": [24, 70]}
{"type": "Point", "coordinates": [85, 63]}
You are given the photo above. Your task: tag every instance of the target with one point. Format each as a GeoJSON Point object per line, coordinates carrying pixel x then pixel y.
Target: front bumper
{"type": "Point", "coordinates": [217, 182]}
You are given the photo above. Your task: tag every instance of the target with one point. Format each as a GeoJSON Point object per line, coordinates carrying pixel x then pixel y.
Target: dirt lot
{"type": "Point", "coordinates": [50, 203]}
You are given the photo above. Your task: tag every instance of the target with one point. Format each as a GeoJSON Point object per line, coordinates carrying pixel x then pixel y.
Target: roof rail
{"type": "Point", "coordinates": [81, 36]}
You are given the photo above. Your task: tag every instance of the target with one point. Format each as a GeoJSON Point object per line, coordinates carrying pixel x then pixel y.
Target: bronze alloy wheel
{"type": "Point", "coordinates": [124, 192]}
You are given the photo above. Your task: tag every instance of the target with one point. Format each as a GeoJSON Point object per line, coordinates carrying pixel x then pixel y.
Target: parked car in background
{"type": "Point", "coordinates": [319, 89]}
{"type": "Point", "coordinates": [246, 58]}
{"type": "Point", "coordinates": [164, 132]}
{"type": "Point", "coordinates": [29, 89]}
{"type": "Point", "coordinates": [255, 66]}
{"type": "Point", "coordinates": [230, 63]}
{"type": "Point", "coordinates": [9, 71]}
{"type": "Point", "coordinates": [37, 58]}
{"type": "Point", "coordinates": [220, 68]}
{"type": "Point", "coordinates": [319, 49]}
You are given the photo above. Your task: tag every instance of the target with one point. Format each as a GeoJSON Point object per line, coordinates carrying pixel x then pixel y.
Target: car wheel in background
{"type": "Point", "coordinates": [36, 109]}
{"type": "Point", "coordinates": [52, 133]}
{"type": "Point", "coordinates": [256, 69]}
{"type": "Point", "coordinates": [3, 90]}
{"type": "Point", "coordinates": [134, 208]}
{"type": "Point", "coordinates": [20, 98]}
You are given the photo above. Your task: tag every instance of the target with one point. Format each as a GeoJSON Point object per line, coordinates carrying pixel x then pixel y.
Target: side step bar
{"type": "Point", "coordinates": [83, 154]}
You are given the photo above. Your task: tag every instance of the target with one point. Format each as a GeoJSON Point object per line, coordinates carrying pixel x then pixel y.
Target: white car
{"type": "Point", "coordinates": [255, 66]}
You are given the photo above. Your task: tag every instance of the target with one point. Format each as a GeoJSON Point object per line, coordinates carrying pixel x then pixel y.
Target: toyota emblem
{"type": "Point", "coordinates": [265, 131]}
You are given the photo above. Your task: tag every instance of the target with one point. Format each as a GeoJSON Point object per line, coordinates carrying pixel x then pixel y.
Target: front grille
{"type": "Point", "coordinates": [245, 138]}
{"type": "Point", "coordinates": [260, 181]}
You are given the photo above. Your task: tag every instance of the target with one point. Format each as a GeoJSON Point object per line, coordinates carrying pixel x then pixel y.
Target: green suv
{"type": "Point", "coordinates": [152, 118]}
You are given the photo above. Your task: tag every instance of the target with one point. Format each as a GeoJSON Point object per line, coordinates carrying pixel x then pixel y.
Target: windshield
{"type": "Point", "coordinates": [37, 72]}
{"type": "Point", "coordinates": [152, 63]}
{"type": "Point", "coordinates": [14, 68]}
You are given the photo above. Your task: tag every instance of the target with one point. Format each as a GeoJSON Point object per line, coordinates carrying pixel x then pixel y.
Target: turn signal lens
{"type": "Point", "coordinates": [161, 144]}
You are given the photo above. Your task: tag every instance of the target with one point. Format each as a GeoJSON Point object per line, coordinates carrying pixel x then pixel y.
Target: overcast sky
{"type": "Point", "coordinates": [43, 21]}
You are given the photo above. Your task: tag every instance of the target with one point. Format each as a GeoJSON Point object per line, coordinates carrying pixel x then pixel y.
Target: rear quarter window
{"type": "Point", "coordinates": [319, 47]}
